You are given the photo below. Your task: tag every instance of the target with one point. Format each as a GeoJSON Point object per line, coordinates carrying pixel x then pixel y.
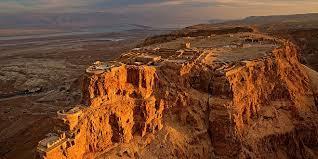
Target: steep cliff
{"type": "Point", "coordinates": [122, 103]}
{"type": "Point", "coordinates": [241, 95]}
{"type": "Point", "coordinates": [273, 109]}
{"type": "Point", "coordinates": [277, 77]}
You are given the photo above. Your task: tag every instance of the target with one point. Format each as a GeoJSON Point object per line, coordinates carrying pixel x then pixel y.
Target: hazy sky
{"type": "Point", "coordinates": [183, 9]}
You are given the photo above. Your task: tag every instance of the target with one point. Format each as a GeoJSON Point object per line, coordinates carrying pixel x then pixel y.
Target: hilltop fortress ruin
{"type": "Point", "coordinates": [230, 94]}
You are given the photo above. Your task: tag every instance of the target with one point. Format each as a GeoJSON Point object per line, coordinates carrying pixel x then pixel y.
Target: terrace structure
{"type": "Point", "coordinates": [61, 138]}
{"type": "Point", "coordinates": [186, 45]}
{"type": "Point", "coordinates": [51, 143]}
{"type": "Point", "coordinates": [101, 67]}
{"type": "Point", "coordinates": [70, 117]}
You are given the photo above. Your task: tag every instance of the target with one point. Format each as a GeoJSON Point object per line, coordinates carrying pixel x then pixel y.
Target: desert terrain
{"type": "Point", "coordinates": [41, 75]}
{"type": "Point", "coordinates": [230, 90]}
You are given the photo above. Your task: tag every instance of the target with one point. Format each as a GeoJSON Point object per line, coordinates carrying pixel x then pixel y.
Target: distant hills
{"type": "Point", "coordinates": [309, 20]}
{"type": "Point", "coordinates": [261, 20]}
{"type": "Point", "coordinates": [52, 23]}
{"type": "Point", "coordinates": [216, 21]}
{"type": "Point", "coordinates": [278, 22]}
{"type": "Point", "coordinates": [48, 23]}
{"type": "Point", "coordinates": [296, 18]}
{"type": "Point", "coordinates": [57, 20]}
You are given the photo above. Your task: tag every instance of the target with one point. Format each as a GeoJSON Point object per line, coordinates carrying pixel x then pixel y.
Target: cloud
{"type": "Point", "coordinates": [45, 5]}
{"type": "Point", "coordinates": [260, 3]}
{"type": "Point", "coordinates": [192, 10]}
{"type": "Point", "coordinates": [53, 5]}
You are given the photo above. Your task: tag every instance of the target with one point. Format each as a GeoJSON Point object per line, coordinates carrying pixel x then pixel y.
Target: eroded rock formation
{"type": "Point", "coordinates": [225, 97]}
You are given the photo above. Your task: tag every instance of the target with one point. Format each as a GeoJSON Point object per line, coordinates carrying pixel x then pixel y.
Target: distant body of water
{"type": "Point", "coordinates": [111, 29]}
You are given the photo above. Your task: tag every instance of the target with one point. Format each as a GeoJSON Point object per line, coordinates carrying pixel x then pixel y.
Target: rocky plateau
{"type": "Point", "coordinates": [217, 93]}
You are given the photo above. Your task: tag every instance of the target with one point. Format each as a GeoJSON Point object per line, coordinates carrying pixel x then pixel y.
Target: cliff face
{"type": "Point", "coordinates": [195, 103]}
{"type": "Point", "coordinates": [122, 104]}
{"type": "Point", "coordinates": [260, 82]}
{"type": "Point", "coordinates": [272, 109]}
{"type": "Point", "coordinates": [119, 82]}
{"type": "Point", "coordinates": [128, 94]}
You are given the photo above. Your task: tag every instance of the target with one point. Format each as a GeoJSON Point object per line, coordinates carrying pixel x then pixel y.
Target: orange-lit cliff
{"type": "Point", "coordinates": [229, 95]}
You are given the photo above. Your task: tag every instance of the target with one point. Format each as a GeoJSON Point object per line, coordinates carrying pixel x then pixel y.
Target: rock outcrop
{"type": "Point", "coordinates": [233, 99]}
{"type": "Point", "coordinates": [122, 103]}
{"type": "Point", "coordinates": [277, 77]}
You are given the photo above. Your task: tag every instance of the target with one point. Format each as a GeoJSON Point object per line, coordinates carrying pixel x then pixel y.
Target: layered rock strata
{"type": "Point", "coordinates": [225, 97]}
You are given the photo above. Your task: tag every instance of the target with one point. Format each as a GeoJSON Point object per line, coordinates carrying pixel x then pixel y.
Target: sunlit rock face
{"type": "Point", "coordinates": [233, 95]}
{"type": "Point", "coordinates": [121, 103]}
{"type": "Point", "coordinates": [278, 77]}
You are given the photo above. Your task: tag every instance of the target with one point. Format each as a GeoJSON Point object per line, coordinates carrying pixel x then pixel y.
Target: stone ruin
{"type": "Point", "coordinates": [51, 141]}
{"type": "Point", "coordinates": [186, 45]}
{"type": "Point", "coordinates": [54, 141]}
{"type": "Point", "coordinates": [70, 117]}
{"type": "Point", "coordinates": [101, 67]}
